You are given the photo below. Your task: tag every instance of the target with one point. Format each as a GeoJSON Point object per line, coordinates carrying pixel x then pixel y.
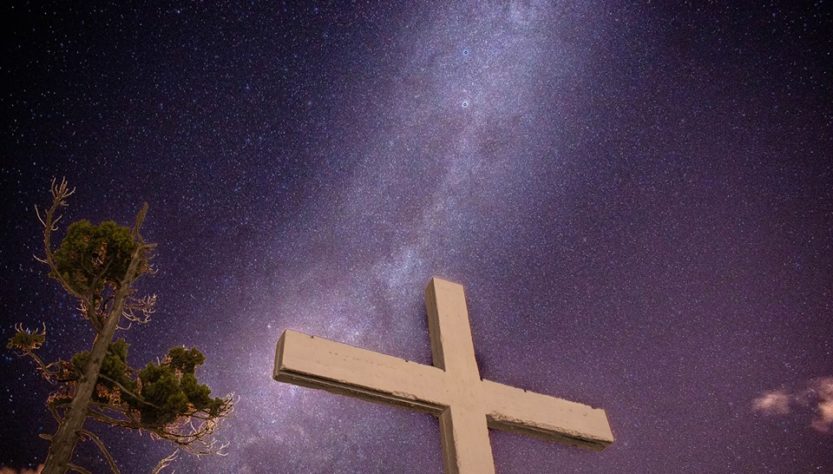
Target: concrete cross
{"type": "Point", "coordinates": [452, 389]}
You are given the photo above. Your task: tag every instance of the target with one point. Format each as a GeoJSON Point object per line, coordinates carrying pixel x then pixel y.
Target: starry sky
{"type": "Point", "coordinates": [638, 199]}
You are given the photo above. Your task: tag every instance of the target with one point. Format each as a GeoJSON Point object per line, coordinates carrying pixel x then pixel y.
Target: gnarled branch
{"type": "Point", "coordinates": [60, 193]}
{"type": "Point", "coordinates": [77, 468]}
{"type": "Point", "coordinates": [101, 447]}
{"type": "Point", "coordinates": [165, 462]}
{"type": "Point", "coordinates": [139, 310]}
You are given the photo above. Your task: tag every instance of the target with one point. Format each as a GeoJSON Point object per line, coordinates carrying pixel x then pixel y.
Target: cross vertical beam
{"type": "Point", "coordinates": [463, 430]}
{"type": "Point", "coordinates": [448, 324]}
{"type": "Point", "coordinates": [465, 440]}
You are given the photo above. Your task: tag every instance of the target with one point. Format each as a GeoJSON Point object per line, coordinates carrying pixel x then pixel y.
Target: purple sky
{"type": "Point", "coordinates": [637, 198]}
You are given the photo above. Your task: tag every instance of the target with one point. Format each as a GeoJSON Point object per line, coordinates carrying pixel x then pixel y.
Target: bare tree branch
{"type": "Point", "coordinates": [121, 328]}
{"type": "Point", "coordinates": [165, 462]}
{"type": "Point", "coordinates": [60, 193]}
{"type": "Point", "coordinates": [190, 437]}
{"type": "Point", "coordinates": [77, 468]}
{"type": "Point", "coordinates": [40, 219]}
{"type": "Point", "coordinates": [140, 219]}
{"type": "Point", "coordinates": [127, 391]}
{"type": "Point", "coordinates": [54, 412]}
{"type": "Point", "coordinates": [95, 439]}
{"type": "Point", "coordinates": [145, 307]}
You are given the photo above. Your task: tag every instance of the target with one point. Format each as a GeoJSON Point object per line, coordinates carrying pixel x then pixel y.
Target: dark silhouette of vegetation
{"type": "Point", "coordinates": [99, 265]}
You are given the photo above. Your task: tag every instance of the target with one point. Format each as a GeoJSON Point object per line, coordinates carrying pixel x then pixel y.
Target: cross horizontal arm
{"type": "Point", "coordinates": [339, 368]}
{"type": "Point", "coordinates": [514, 409]}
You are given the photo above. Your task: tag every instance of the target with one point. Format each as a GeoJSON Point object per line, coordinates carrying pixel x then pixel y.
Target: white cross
{"type": "Point", "coordinates": [452, 389]}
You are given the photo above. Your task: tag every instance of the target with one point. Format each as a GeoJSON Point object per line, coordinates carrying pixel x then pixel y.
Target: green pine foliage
{"type": "Point", "coordinates": [24, 341]}
{"type": "Point", "coordinates": [185, 360]}
{"type": "Point", "coordinates": [172, 389]}
{"type": "Point", "coordinates": [92, 256]}
{"type": "Point", "coordinates": [162, 393]}
{"type": "Point", "coordinates": [115, 373]}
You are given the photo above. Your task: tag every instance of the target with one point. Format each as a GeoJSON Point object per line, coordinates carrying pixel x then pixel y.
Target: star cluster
{"type": "Point", "coordinates": [637, 198]}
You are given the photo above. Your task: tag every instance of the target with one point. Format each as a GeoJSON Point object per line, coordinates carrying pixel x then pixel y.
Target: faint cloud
{"type": "Point", "coordinates": [818, 396]}
{"type": "Point", "coordinates": [775, 402]}
{"type": "Point", "coordinates": [823, 389]}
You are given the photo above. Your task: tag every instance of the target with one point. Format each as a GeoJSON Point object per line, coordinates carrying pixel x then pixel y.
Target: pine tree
{"type": "Point", "coordinates": [99, 265]}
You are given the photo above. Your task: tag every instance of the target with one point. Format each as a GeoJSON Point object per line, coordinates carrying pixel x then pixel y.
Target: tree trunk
{"type": "Point", "coordinates": [64, 441]}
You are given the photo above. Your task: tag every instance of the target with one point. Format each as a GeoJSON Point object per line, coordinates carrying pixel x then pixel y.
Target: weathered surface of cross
{"type": "Point", "coordinates": [452, 389]}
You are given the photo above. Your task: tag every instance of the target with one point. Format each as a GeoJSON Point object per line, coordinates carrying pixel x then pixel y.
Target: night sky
{"type": "Point", "coordinates": [638, 199]}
